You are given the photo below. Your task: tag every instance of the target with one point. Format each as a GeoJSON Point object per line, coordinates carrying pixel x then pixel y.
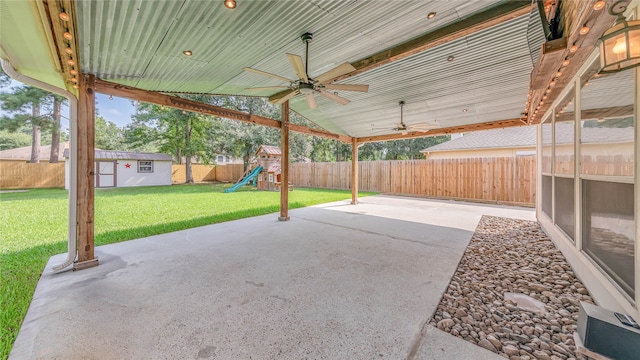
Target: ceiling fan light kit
{"type": "Point", "coordinates": [308, 86]}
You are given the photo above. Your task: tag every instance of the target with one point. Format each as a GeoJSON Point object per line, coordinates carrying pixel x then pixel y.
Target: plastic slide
{"type": "Point", "coordinates": [252, 175]}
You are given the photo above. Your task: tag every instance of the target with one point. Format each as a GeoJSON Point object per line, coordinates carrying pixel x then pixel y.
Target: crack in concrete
{"type": "Point", "coordinates": [379, 234]}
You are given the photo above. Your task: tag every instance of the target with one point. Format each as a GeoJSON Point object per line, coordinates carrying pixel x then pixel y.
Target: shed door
{"type": "Point", "coordinates": [105, 174]}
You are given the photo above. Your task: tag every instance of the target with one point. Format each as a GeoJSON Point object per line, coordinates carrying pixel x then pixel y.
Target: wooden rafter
{"type": "Point", "coordinates": [444, 131]}
{"type": "Point", "coordinates": [477, 22]}
{"type": "Point", "coordinates": [129, 92]}
{"type": "Point", "coordinates": [544, 72]}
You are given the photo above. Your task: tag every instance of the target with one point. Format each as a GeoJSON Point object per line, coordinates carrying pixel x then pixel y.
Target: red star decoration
{"type": "Point", "coordinates": [127, 165]}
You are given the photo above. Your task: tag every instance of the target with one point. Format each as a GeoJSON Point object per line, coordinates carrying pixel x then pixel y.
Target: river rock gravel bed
{"type": "Point", "coordinates": [513, 293]}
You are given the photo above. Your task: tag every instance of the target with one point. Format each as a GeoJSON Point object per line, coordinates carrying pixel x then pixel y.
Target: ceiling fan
{"type": "Point", "coordinates": [405, 129]}
{"type": "Point", "coordinates": [308, 86]}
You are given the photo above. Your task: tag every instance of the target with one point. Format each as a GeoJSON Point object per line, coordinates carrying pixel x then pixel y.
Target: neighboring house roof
{"type": "Point", "coordinates": [24, 153]}
{"type": "Point", "coordinates": [525, 136]}
{"type": "Point", "coordinates": [125, 155]}
{"type": "Point", "coordinates": [269, 150]}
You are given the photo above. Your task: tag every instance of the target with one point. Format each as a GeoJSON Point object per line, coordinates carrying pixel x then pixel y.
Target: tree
{"type": "Point", "coordinates": [58, 100]}
{"type": "Point", "coordinates": [176, 132]}
{"type": "Point", "coordinates": [241, 139]}
{"type": "Point", "coordinates": [18, 103]}
{"type": "Point", "coordinates": [108, 135]}
{"type": "Point", "coordinates": [12, 140]}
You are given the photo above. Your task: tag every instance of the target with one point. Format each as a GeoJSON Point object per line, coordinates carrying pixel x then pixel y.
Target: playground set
{"type": "Point", "coordinates": [266, 173]}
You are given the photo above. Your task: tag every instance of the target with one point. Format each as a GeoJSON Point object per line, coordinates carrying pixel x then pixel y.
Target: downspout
{"type": "Point", "coordinates": [73, 155]}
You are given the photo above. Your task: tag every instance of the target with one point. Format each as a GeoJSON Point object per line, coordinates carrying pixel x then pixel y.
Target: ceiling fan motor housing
{"type": "Point", "coordinates": [306, 37]}
{"type": "Point", "coordinates": [305, 88]}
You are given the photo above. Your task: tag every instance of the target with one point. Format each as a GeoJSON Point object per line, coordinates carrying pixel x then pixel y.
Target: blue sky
{"type": "Point", "coordinates": [118, 110]}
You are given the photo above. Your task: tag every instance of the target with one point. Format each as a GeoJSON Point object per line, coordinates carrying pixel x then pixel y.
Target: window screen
{"type": "Point", "coordinates": [608, 229]}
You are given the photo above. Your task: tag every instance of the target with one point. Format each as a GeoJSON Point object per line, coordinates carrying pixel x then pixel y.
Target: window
{"type": "Point", "coordinates": [220, 159]}
{"type": "Point", "coordinates": [546, 195]}
{"type": "Point", "coordinates": [565, 215]}
{"type": "Point", "coordinates": [564, 163]}
{"type": "Point", "coordinates": [145, 166]}
{"type": "Point", "coordinates": [607, 146]}
{"type": "Point", "coordinates": [608, 229]}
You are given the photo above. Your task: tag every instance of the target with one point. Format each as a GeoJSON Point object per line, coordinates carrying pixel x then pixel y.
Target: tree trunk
{"type": "Point", "coordinates": [187, 140]}
{"type": "Point", "coordinates": [55, 132]}
{"type": "Point", "coordinates": [35, 135]}
{"type": "Point", "coordinates": [246, 158]}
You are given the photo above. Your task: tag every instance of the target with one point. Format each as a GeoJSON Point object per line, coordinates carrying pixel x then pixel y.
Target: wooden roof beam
{"type": "Point", "coordinates": [129, 92]}
{"type": "Point", "coordinates": [477, 22]}
{"type": "Point", "coordinates": [445, 131]}
{"type": "Point", "coordinates": [549, 64]}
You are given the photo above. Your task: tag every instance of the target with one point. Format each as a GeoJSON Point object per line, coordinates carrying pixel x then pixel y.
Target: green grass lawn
{"type": "Point", "coordinates": [33, 227]}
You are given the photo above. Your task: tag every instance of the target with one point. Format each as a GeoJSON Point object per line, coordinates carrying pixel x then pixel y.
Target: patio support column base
{"type": "Point", "coordinates": [81, 265]}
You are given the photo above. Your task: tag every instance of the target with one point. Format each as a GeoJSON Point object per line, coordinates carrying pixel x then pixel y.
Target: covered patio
{"type": "Point", "coordinates": [335, 282]}
{"type": "Point", "coordinates": [348, 280]}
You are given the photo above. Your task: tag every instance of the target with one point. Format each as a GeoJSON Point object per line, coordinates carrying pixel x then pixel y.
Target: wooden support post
{"type": "Point", "coordinates": [85, 174]}
{"type": "Point", "coordinates": [284, 163]}
{"type": "Point", "coordinates": [354, 171]}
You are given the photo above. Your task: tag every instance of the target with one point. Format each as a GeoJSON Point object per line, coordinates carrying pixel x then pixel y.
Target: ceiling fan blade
{"type": "Point", "coordinates": [334, 97]}
{"type": "Point", "coordinates": [335, 72]}
{"type": "Point", "coordinates": [311, 101]}
{"type": "Point", "coordinates": [298, 66]}
{"type": "Point", "coordinates": [347, 87]}
{"type": "Point", "coordinates": [286, 97]}
{"type": "Point", "coordinates": [424, 126]}
{"type": "Point", "coordinates": [264, 73]}
{"type": "Point", "coordinates": [268, 88]}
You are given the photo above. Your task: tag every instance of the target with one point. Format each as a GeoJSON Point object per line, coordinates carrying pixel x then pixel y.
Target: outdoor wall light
{"type": "Point", "coordinates": [187, 52]}
{"type": "Point", "coordinates": [73, 72]}
{"type": "Point", "coordinates": [620, 45]}
{"type": "Point", "coordinates": [565, 62]}
{"type": "Point", "coordinates": [230, 4]}
{"type": "Point", "coordinates": [71, 62]}
{"type": "Point", "coordinates": [431, 15]}
{"type": "Point", "coordinates": [598, 5]}
{"type": "Point", "coordinates": [573, 48]}
{"type": "Point", "coordinates": [64, 16]}
{"type": "Point", "coordinates": [67, 35]}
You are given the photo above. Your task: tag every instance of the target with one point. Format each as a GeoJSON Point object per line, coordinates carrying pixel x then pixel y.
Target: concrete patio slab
{"type": "Point", "coordinates": [338, 281]}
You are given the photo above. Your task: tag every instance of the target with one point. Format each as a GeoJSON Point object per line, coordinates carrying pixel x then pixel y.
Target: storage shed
{"type": "Point", "coordinates": [125, 169]}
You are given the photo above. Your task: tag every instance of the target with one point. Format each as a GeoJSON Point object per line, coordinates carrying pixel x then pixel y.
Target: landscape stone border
{"type": "Point", "coordinates": [538, 318]}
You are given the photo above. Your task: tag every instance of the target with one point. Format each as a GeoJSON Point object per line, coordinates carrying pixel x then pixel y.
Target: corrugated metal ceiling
{"type": "Point", "coordinates": [140, 43]}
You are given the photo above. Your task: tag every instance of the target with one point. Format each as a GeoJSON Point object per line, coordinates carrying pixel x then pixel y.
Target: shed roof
{"type": "Point", "coordinates": [24, 153]}
{"type": "Point", "coordinates": [269, 150]}
{"type": "Point", "coordinates": [126, 155]}
{"type": "Point", "coordinates": [525, 136]}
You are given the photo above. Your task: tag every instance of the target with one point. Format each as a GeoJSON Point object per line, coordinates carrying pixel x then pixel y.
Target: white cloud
{"type": "Point", "coordinates": [114, 112]}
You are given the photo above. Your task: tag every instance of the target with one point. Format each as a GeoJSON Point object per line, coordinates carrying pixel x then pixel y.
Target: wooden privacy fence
{"type": "Point", "coordinates": [23, 175]}
{"type": "Point", "coordinates": [199, 173]}
{"type": "Point", "coordinates": [499, 180]}
{"type": "Point", "coordinates": [229, 173]}
{"type": "Point", "coordinates": [223, 173]}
